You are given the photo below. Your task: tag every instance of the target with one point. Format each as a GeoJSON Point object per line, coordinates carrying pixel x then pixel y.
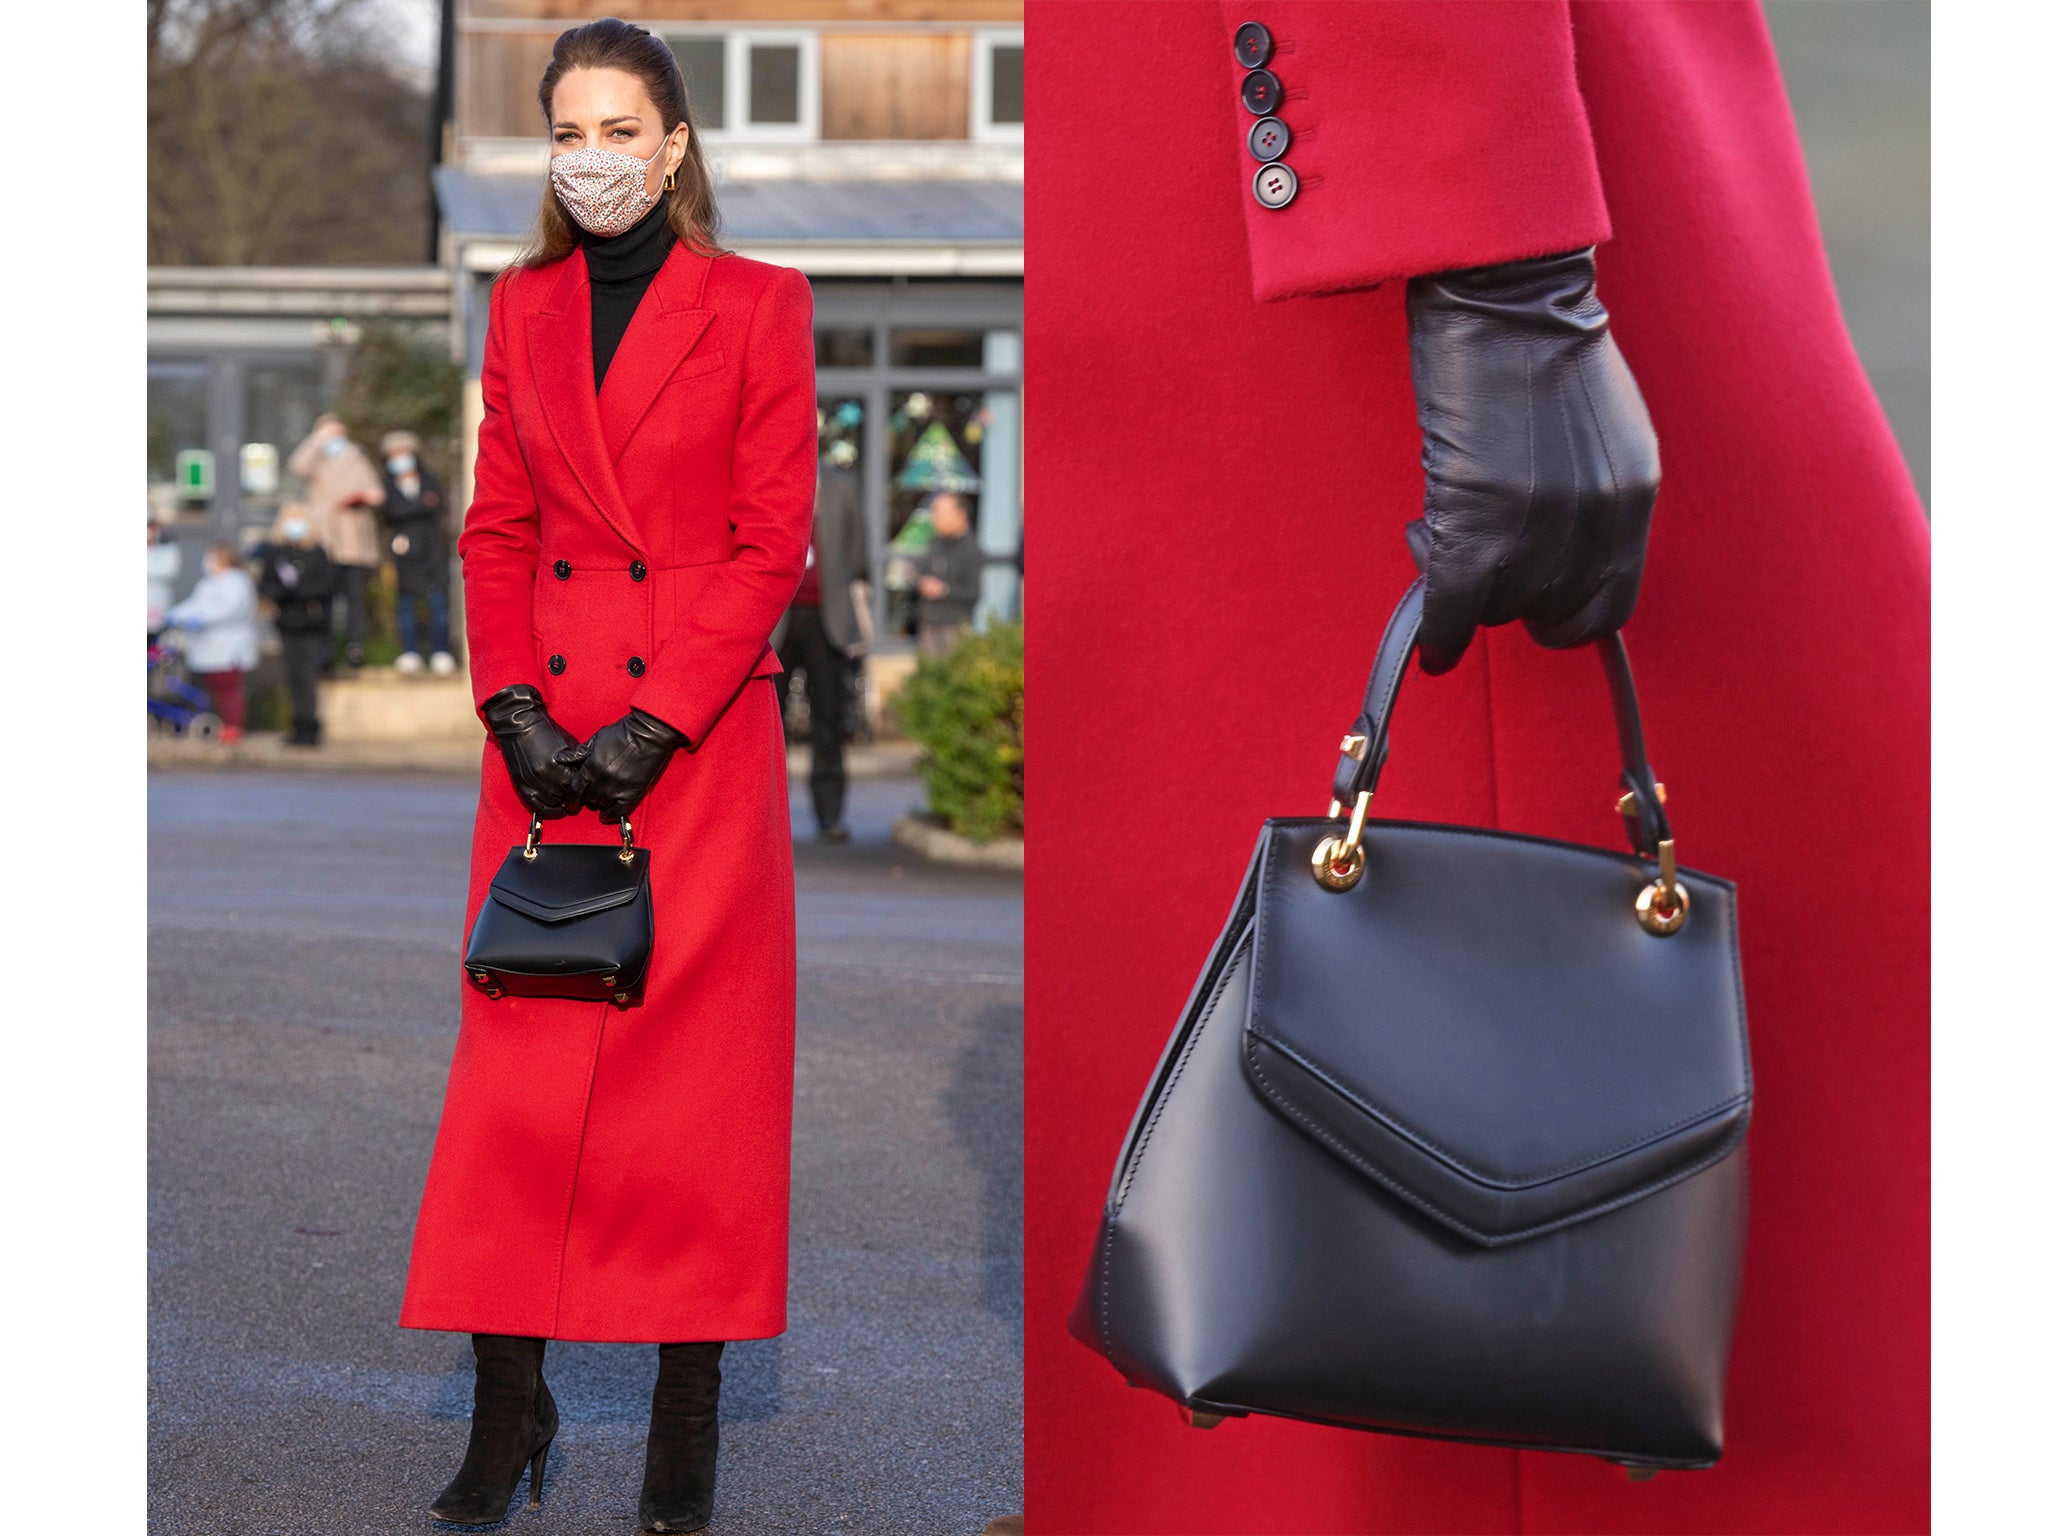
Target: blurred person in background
{"type": "Point", "coordinates": [416, 518]}
{"type": "Point", "coordinates": [827, 628]}
{"type": "Point", "coordinates": [948, 576]}
{"type": "Point", "coordinates": [343, 491]}
{"type": "Point", "coordinates": [165, 559]}
{"type": "Point", "coordinates": [219, 619]}
{"type": "Point", "coordinates": [297, 580]}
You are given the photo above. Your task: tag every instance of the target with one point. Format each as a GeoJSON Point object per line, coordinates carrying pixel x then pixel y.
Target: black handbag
{"type": "Point", "coordinates": [1449, 1140]}
{"type": "Point", "coordinates": [568, 920]}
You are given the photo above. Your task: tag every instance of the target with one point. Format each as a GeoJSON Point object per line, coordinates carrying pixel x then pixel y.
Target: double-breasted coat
{"type": "Point", "coordinates": [1223, 402]}
{"type": "Point", "coordinates": [623, 1174]}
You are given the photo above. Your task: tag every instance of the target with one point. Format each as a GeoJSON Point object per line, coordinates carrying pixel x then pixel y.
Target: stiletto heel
{"type": "Point", "coordinates": [537, 1474]}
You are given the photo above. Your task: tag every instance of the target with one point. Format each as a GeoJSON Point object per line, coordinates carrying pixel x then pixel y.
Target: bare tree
{"type": "Point", "coordinates": [280, 134]}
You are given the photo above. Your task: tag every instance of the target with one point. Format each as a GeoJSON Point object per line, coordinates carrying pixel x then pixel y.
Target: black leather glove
{"type": "Point", "coordinates": [624, 759]}
{"type": "Point", "coordinates": [1540, 461]}
{"type": "Point", "coordinates": [542, 758]}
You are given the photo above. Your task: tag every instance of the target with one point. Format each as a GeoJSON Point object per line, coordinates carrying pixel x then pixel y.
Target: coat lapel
{"type": "Point", "coordinates": [665, 327]}
{"type": "Point", "coordinates": [558, 344]}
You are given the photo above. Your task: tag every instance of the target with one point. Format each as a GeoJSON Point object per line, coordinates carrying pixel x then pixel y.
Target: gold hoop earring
{"type": "Point", "coordinates": [668, 182]}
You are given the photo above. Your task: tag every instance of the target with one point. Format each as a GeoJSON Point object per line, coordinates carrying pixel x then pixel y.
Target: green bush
{"type": "Point", "coordinates": [401, 376]}
{"type": "Point", "coordinates": [966, 709]}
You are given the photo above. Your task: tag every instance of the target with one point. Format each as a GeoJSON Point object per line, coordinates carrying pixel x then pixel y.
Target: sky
{"type": "Point", "coordinates": [413, 26]}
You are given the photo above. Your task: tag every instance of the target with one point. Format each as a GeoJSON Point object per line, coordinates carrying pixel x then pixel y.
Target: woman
{"type": "Point", "coordinates": [645, 473]}
{"type": "Point", "coordinates": [342, 494]}
{"type": "Point", "coordinates": [416, 520]}
{"type": "Point", "coordinates": [220, 615]}
{"type": "Point", "coordinates": [1269, 338]}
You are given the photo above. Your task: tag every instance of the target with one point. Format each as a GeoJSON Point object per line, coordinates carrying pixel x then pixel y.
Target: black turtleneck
{"type": "Point", "coordinates": [621, 267]}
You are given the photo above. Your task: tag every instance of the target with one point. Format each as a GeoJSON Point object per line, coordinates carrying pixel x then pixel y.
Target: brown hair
{"type": "Point", "coordinates": [615, 44]}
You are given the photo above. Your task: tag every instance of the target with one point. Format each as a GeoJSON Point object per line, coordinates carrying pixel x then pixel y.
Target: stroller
{"type": "Point", "coordinates": [177, 705]}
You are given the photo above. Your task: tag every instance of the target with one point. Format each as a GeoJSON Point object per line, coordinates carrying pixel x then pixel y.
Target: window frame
{"type": "Point", "coordinates": [724, 35]}
{"type": "Point", "coordinates": [740, 42]}
{"type": "Point", "coordinates": [982, 87]}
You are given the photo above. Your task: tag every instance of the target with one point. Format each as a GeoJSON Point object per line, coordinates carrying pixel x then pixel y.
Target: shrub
{"type": "Point", "coordinates": [966, 709]}
{"type": "Point", "coordinates": [401, 376]}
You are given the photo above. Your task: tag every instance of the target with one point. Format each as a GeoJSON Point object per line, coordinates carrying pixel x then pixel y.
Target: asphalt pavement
{"type": "Point", "coordinates": [304, 939]}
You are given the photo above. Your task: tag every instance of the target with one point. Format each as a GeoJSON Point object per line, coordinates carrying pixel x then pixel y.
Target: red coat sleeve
{"type": "Point", "coordinates": [719, 638]}
{"type": "Point", "coordinates": [1425, 136]}
{"type": "Point", "coordinates": [500, 542]}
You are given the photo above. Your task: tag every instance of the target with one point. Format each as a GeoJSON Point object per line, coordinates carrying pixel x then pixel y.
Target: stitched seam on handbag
{"type": "Point", "coordinates": [543, 913]}
{"type": "Point", "coordinates": [1301, 1059]}
{"type": "Point", "coordinates": [1187, 1050]}
{"type": "Point", "coordinates": [1497, 834]}
{"type": "Point", "coordinates": [1741, 1002]}
{"type": "Point", "coordinates": [1269, 874]}
{"type": "Point", "coordinates": [1490, 1240]}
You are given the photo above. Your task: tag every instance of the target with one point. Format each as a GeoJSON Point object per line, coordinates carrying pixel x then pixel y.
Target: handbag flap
{"type": "Point", "coordinates": [1483, 1027]}
{"type": "Point", "coordinates": [568, 880]}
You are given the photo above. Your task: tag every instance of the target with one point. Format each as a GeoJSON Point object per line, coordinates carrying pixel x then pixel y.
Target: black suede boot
{"type": "Point", "coordinates": [513, 1424]}
{"type": "Point", "coordinates": [682, 1440]}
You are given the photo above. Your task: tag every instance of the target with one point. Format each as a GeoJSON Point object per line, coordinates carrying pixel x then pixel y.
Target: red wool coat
{"type": "Point", "coordinates": [614, 1174]}
{"type": "Point", "coordinates": [1222, 403]}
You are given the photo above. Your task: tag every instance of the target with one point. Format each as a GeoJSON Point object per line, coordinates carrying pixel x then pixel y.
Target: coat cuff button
{"type": "Point", "coordinates": [1261, 92]}
{"type": "Point", "coordinates": [1252, 45]}
{"type": "Point", "coordinates": [1275, 185]}
{"type": "Point", "coordinates": [635, 665]}
{"type": "Point", "coordinates": [556, 664]}
{"type": "Point", "coordinates": [1269, 139]}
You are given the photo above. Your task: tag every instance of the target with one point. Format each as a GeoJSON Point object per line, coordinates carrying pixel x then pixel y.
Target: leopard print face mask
{"type": "Point", "coordinates": [604, 190]}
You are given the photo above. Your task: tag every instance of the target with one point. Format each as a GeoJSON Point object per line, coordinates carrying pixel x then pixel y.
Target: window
{"type": "Point", "coordinates": [178, 412]}
{"type": "Point", "coordinates": [751, 85]}
{"type": "Point", "coordinates": [920, 347]}
{"type": "Point", "coordinates": [701, 57]}
{"type": "Point", "coordinates": [846, 347]}
{"type": "Point", "coordinates": [999, 87]}
{"type": "Point", "coordinates": [773, 92]}
{"type": "Point", "coordinates": [279, 402]}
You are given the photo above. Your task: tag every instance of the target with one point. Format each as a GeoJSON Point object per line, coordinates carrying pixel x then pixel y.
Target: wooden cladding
{"type": "Point", "coordinates": [879, 84]}
{"type": "Point", "coordinates": [908, 85]}
{"type": "Point", "coordinates": [500, 83]}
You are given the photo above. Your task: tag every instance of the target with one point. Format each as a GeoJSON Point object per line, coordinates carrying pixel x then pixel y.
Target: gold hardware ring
{"type": "Point", "coordinates": [1339, 862]}
{"type": "Point", "coordinates": [1662, 905]}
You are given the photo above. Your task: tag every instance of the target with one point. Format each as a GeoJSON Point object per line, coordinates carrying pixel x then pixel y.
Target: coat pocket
{"type": "Point", "coordinates": [682, 590]}
{"type": "Point", "coordinates": [698, 364]}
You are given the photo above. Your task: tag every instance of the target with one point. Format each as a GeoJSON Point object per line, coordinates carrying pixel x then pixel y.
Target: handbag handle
{"type": "Point", "coordinates": [532, 849]}
{"type": "Point", "coordinates": [1340, 861]}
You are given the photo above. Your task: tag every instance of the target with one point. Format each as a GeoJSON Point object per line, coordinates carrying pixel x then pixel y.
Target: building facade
{"type": "Point", "coordinates": [877, 146]}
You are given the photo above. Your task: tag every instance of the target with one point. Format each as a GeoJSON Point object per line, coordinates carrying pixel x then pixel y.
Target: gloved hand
{"type": "Point", "coordinates": [623, 760]}
{"type": "Point", "coordinates": [542, 758]}
{"type": "Point", "coordinates": [1538, 455]}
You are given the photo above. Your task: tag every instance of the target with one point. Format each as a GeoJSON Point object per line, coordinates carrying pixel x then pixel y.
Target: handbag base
{"type": "Point", "coordinates": [1200, 1414]}
{"type": "Point", "coordinates": [586, 986]}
